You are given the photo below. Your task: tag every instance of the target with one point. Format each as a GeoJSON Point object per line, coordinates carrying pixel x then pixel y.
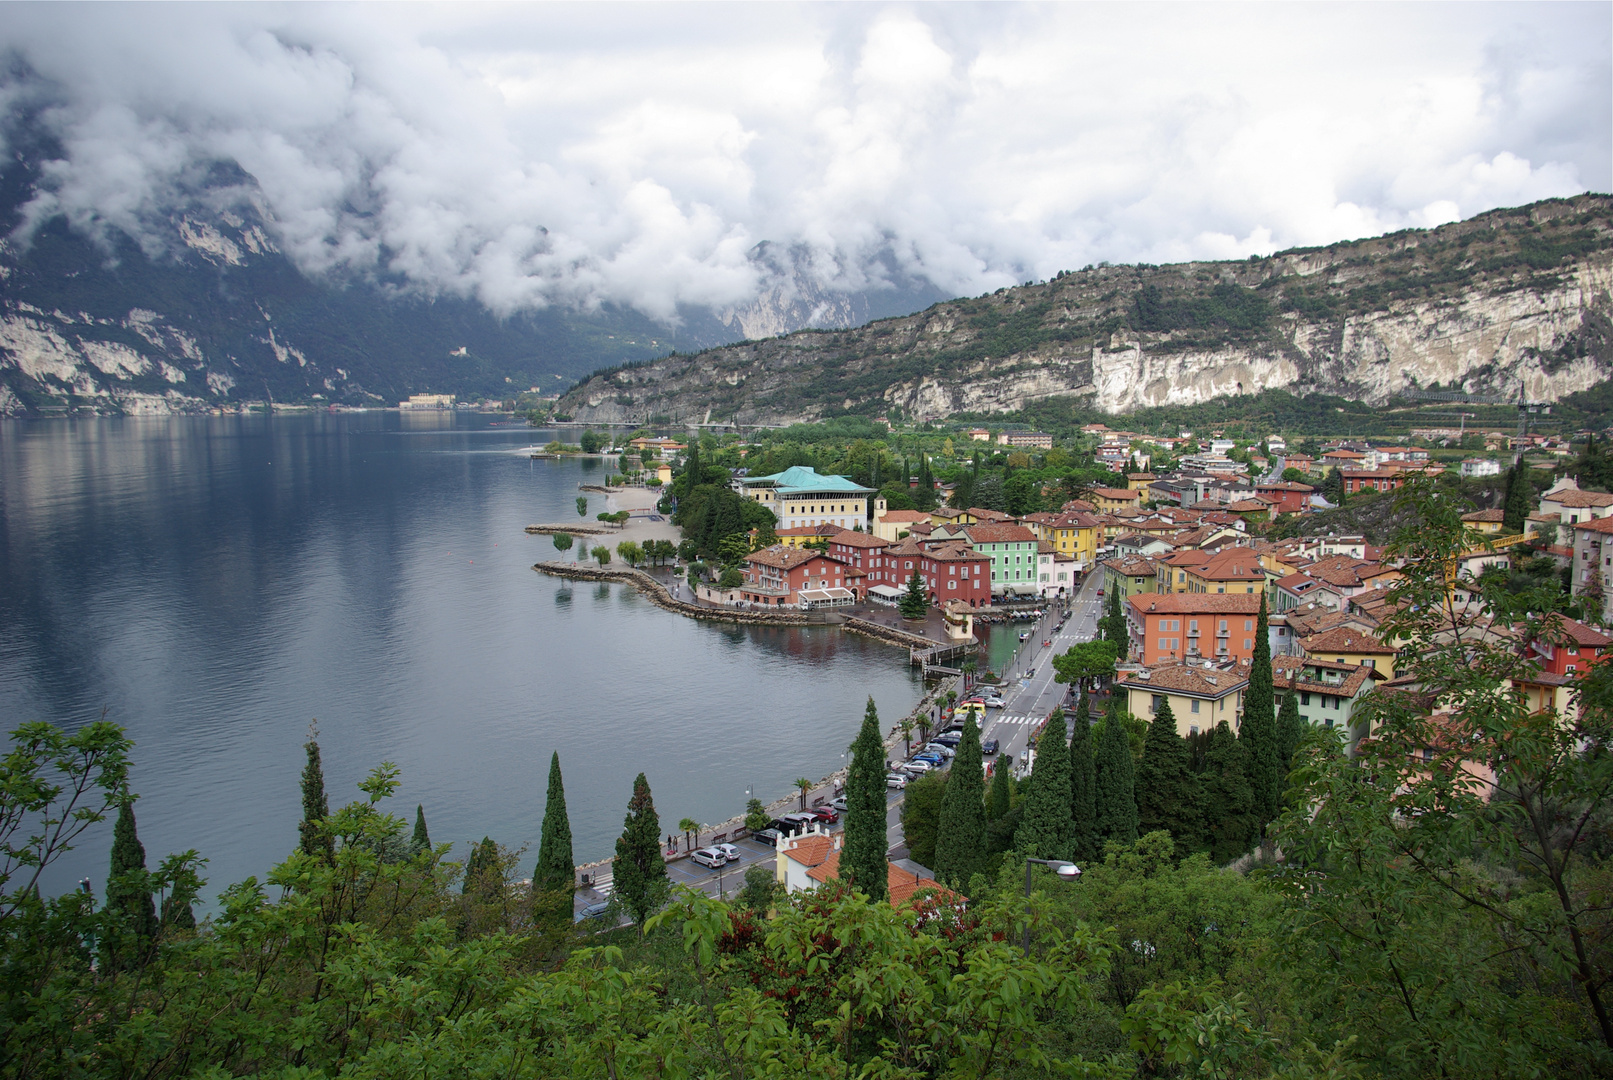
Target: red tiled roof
{"type": "Point", "coordinates": [853, 538]}
{"type": "Point", "coordinates": [1575, 499]}
{"type": "Point", "coordinates": [1345, 639]}
{"type": "Point", "coordinates": [788, 558]}
{"type": "Point", "coordinates": [898, 516]}
{"type": "Point", "coordinates": [1194, 603]}
{"type": "Point", "coordinates": [900, 885]}
{"type": "Point", "coordinates": [1561, 628]}
{"type": "Point", "coordinates": [1598, 525]}
{"type": "Point", "coordinates": [998, 534]}
{"type": "Point", "coordinates": [1486, 516]}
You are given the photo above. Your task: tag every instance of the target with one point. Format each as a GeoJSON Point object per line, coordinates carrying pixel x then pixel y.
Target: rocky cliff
{"type": "Point", "coordinates": [1511, 301]}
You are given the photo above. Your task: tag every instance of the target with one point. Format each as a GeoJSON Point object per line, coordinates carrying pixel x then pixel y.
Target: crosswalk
{"type": "Point", "coordinates": [1020, 720]}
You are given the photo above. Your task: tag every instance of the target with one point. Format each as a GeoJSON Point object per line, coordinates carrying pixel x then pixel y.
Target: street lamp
{"type": "Point", "coordinates": [1067, 871]}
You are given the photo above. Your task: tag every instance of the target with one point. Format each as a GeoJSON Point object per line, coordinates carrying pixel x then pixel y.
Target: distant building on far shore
{"type": "Point", "coordinates": [418, 402]}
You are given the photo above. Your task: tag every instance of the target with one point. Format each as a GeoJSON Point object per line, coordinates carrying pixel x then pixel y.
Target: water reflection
{"type": "Point", "coordinates": [218, 581]}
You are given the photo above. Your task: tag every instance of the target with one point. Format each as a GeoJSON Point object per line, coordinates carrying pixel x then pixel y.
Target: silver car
{"type": "Point", "coordinates": [729, 851]}
{"type": "Point", "coordinates": [710, 857]}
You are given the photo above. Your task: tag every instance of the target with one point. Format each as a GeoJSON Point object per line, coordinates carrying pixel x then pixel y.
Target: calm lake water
{"type": "Point", "coordinates": [214, 583]}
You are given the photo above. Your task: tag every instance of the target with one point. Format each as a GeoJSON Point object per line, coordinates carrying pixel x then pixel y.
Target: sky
{"type": "Point", "coordinates": [528, 155]}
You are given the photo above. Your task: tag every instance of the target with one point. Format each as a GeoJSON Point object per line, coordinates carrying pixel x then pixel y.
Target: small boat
{"type": "Point", "coordinates": [1024, 637]}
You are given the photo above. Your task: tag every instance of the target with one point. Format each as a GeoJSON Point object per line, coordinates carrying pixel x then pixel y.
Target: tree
{"type": "Point", "coordinates": [1085, 664]}
{"type": "Point", "coordinates": [756, 818]}
{"type": "Point", "coordinates": [1515, 506]}
{"type": "Point", "coordinates": [554, 878]}
{"type": "Point", "coordinates": [1294, 475]}
{"type": "Point", "coordinates": [804, 785]}
{"type": "Point", "coordinates": [862, 857]}
{"type": "Point", "coordinates": [1258, 732]}
{"type": "Point", "coordinates": [601, 554]}
{"type": "Point", "coordinates": [730, 578]}
{"type": "Point", "coordinates": [582, 506]}
{"type": "Point", "coordinates": [1113, 625]}
{"type": "Point", "coordinates": [638, 873]}
{"type": "Point", "coordinates": [1083, 785]}
{"type": "Point", "coordinates": [761, 889]}
{"type": "Point", "coordinates": [1047, 830]}
{"type": "Point", "coordinates": [1230, 827]}
{"type": "Point", "coordinates": [484, 873]}
{"type": "Point", "coordinates": [960, 849]}
{"type": "Point", "coordinates": [591, 441]}
{"type": "Point", "coordinates": [1290, 732]}
{"type": "Point", "coordinates": [316, 840]}
{"type": "Point", "coordinates": [1000, 798]}
{"type": "Point", "coordinates": [562, 542]}
{"type": "Point", "coordinates": [906, 728]}
{"type": "Point", "coordinates": [421, 840]}
{"type": "Point", "coordinates": [630, 552]}
{"type": "Point", "coordinates": [1167, 795]}
{"type": "Point", "coordinates": [921, 816]}
{"type": "Point", "coordinates": [914, 603]}
{"type": "Point", "coordinates": [1116, 819]}
{"type": "Point", "coordinates": [1333, 486]}
{"type": "Point", "coordinates": [128, 894]}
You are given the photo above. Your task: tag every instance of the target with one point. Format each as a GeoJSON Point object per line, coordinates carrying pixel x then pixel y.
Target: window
{"type": "Point", "coordinates": [1248, 643]}
{"type": "Point", "coordinates": [1304, 698]}
{"type": "Point", "coordinates": [1195, 709]}
{"type": "Point", "coordinates": [1192, 626]}
{"type": "Point", "coordinates": [1162, 646]}
{"type": "Point", "coordinates": [1223, 626]}
{"type": "Point", "coordinates": [1159, 699]}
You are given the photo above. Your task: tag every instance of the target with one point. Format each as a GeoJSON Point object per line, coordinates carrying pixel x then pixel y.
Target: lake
{"type": "Point", "coordinates": [215, 583]}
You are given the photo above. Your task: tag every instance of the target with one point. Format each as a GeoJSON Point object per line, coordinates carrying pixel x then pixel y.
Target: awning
{"type": "Point", "coordinates": [885, 592]}
{"type": "Point", "coordinates": [814, 597]}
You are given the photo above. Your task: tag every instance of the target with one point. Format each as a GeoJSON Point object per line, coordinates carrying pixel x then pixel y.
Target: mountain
{"type": "Point", "coordinates": [1516, 300]}
{"type": "Point", "coordinates": [203, 308]}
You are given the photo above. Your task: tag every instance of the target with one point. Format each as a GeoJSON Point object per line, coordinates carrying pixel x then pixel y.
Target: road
{"type": "Point", "coordinates": [1029, 698]}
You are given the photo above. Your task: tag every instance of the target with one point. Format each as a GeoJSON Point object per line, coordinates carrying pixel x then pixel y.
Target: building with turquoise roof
{"type": "Point", "coordinates": [800, 496]}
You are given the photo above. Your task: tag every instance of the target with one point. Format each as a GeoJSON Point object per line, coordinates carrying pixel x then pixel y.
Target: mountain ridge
{"type": "Point", "coordinates": [1514, 300]}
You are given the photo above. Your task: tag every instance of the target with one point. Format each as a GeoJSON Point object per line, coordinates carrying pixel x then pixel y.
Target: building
{"type": "Point", "coordinates": [1571, 505]}
{"type": "Point", "coordinates": [425, 402]}
{"type": "Point", "coordinates": [1012, 550]}
{"type": "Point", "coordinates": [1074, 534]}
{"type": "Point", "coordinates": [781, 576]}
{"type": "Point", "coordinates": [1234, 570]}
{"type": "Point", "coordinates": [978, 434]}
{"type": "Point", "coordinates": [1185, 625]}
{"type": "Point", "coordinates": [1109, 499]}
{"type": "Point", "coordinates": [1033, 440]}
{"type": "Point", "coordinates": [662, 446]}
{"type": "Point", "coordinates": [1485, 522]}
{"type": "Point", "coordinates": [1328, 691]}
{"type": "Point", "coordinates": [1357, 480]}
{"type": "Point", "coordinates": [1480, 467]}
{"type": "Point", "coordinates": [798, 496]}
{"type": "Point", "coordinates": [893, 524]}
{"type": "Point", "coordinates": [903, 887]}
{"type": "Point", "coordinates": [1349, 645]}
{"type": "Point", "coordinates": [1593, 563]}
{"type": "Point", "coordinates": [1129, 575]}
{"type": "Point", "coordinates": [1210, 463]}
{"type": "Point", "coordinates": [806, 535]}
{"type": "Point", "coordinates": [1139, 481]}
{"type": "Point", "coordinates": [1285, 496]}
{"type": "Point", "coordinates": [950, 570]}
{"type": "Point", "coordinates": [1201, 694]}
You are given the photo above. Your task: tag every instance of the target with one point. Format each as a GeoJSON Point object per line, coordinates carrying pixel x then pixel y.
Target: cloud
{"type": "Point", "coordinates": [636, 154]}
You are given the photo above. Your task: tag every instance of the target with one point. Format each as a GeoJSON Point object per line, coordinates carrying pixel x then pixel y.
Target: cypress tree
{"type": "Point", "coordinates": [1114, 626]}
{"type": "Point", "coordinates": [960, 846]}
{"type": "Point", "coordinates": [1515, 503]}
{"type": "Point", "coordinates": [862, 858]}
{"type": "Point", "coordinates": [1000, 796]}
{"type": "Point", "coordinates": [638, 873]}
{"type": "Point", "coordinates": [1290, 731]}
{"type": "Point", "coordinates": [1259, 731]}
{"type": "Point", "coordinates": [1083, 785]}
{"type": "Point", "coordinates": [1116, 819]}
{"type": "Point", "coordinates": [1167, 796]}
{"type": "Point", "coordinates": [480, 867]}
{"type": "Point", "coordinates": [315, 807]}
{"type": "Point", "coordinates": [421, 841]}
{"type": "Point", "coordinates": [126, 893]}
{"type": "Point", "coordinates": [554, 879]}
{"type": "Point", "coordinates": [1046, 831]}
{"type": "Point", "coordinates": [1230, 826]}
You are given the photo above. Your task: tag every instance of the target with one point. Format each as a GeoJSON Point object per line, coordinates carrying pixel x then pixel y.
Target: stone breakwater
{"type": "Point", "coordinates": [659, 596]}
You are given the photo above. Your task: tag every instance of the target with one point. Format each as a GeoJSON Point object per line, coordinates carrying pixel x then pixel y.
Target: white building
{"type": "Point", "coordinates": [1480, 467]}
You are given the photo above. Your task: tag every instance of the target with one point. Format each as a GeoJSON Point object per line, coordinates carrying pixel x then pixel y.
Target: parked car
{"type": "Point", "coordinates": [840, 804]}
{"type": "Point", "coordinates": [592, 911]}
{"type": "Point", "coordinates": [896, 780]}
{"type": "Point", "coordinates": [942, 748]}
{"type": "Point", "coordinates": [918, 767]}
{"type": "Point", "coordinates": [801, 819]}
{"type": "Point", "coordinates": [709, 857]}
{"type": "Point", "coordinates": [995, 702]}
{"type": "Point", "coordinates": [729, 851]}
{"type": "Point", "coordinates": [950, 739]}
{"type": "Point", "coordinates": [784, 827]}
{"type": "Point", "coordinates": [934, 757]}
{"type": "Point", "coordinates": [827, 814]}
{"type": "Point", "coordinates": [989, 747]}
{"type": "Point", "coordinates": [770, 837]}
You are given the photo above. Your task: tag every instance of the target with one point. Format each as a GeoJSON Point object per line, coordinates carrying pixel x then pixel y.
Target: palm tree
{"type": "Point", "coordinates": [689, 825]}
{"type": "Point", "coordinates": [906, 728]}
{"type": "Point", "coordinates": [805, 785]}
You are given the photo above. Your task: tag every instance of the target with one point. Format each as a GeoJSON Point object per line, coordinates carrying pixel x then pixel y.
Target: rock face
{"type": "Point", "coordinates": [1516, 301]}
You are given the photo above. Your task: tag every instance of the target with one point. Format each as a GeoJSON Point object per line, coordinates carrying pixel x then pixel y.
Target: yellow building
{"type": "Point", "coordinates": [799, 497]}
{"type": "Point", "coordinates": [1349, 645]}
{"type": "Point", "coordinates": [1139, 481]}
{"type": "Point", "coordinates": [1076, 535]}
{"type": "Point", "coordinates": [1486, 522]}
{"type": "Point", "coordinates": [1109, 499]}
{"type": "Point", "coordinates": [1200, 697]}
